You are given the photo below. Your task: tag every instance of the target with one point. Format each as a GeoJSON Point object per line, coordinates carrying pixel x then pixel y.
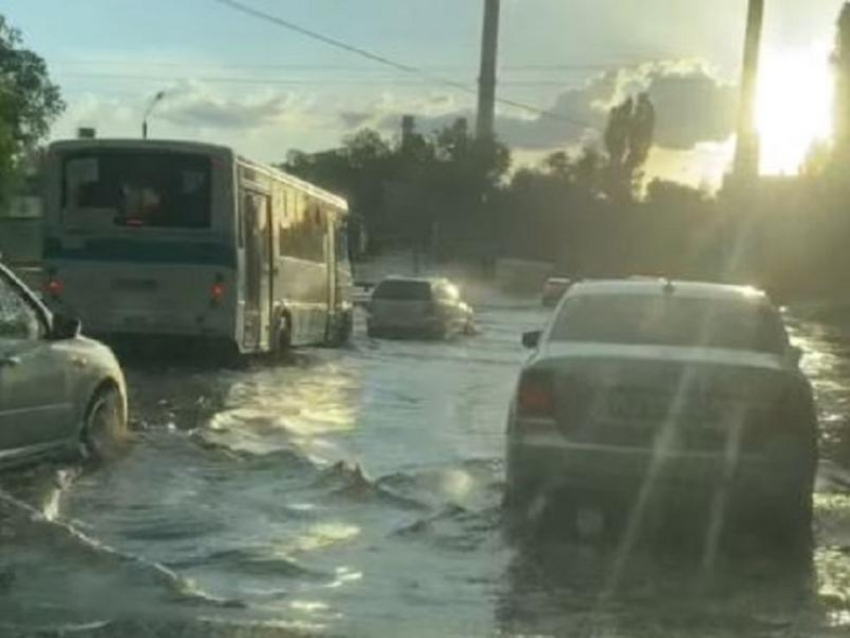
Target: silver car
{"type": "Point", "coordinates": [61, 394]}
{"type": "Point", "coordinates": [644, 388]}
{"type": "Point", "coordinates": [411, 307]}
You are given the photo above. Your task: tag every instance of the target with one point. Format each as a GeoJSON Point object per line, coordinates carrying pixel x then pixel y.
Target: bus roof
{"type": "Point", "coordinates": [319, 193]}
{"type": "Point", "coordinates": [63, 146]}
{"type": "Point", "coordinates": [181, 145]}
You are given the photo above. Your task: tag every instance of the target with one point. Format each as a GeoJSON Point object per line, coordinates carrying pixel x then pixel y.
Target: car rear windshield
{"type": "Point", "coordinates": [138, 189]}
{"type": "Point", "coordinates": [404, 291]}
{"type": "Point", "coordinates": [671, 321]}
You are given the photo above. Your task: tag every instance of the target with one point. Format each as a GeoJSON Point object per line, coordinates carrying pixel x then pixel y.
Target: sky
{"type": "Point", "coordinates": [233, 79]}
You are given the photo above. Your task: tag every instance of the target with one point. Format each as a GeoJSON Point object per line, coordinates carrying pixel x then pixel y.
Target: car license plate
{"type": "Point", "coordinates": [639, 406]}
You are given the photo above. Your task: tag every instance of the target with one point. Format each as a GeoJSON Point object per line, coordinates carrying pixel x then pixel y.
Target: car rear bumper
{"type": "Point", "coordinates": [560, 464]}
{"type": "Point", "coordinates": [423, 328]}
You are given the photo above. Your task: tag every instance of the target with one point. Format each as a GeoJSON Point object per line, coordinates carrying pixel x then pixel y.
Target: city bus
{"type": "Point", "coordinates": [192, 242]}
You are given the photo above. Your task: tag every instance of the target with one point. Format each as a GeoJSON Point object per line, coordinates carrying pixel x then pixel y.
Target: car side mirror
{"type": "Point", "coordinates": [65, 328]}
{"type": "Point", "coordinates": [531, 340]}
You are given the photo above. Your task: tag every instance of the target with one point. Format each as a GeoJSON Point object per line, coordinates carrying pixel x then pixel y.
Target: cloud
{"type": "Point", "coordinates": [694, 105]}
{"type": "Point", "coordinates": [192, 104]}
{"type": "Point", "coordinates": [262, 124]}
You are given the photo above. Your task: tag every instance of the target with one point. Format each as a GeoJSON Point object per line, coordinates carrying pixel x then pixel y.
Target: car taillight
{"type": "Point", "coordinates": [536, 395]}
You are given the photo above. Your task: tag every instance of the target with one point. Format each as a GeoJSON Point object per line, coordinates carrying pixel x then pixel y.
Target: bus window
{"type": "Point", "coordinates": [304, 235]}
{"type": "Point", "coordinates": [138, 189]}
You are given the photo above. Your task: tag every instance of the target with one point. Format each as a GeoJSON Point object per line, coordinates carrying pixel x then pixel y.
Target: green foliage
{"type": "Point", "coordinates": [29, 103]}
{"type": "Point", "coordinates": [404, 189]}
{"type": "Point", "coordinates": [560, 212]}
{"type": "Point", "coordinates": [628, 140]}
{"type": "Point", "coordinates": [664, 194]}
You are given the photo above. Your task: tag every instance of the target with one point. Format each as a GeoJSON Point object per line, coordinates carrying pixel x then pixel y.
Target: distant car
{"type": "Point", "coordinates": [640, 387]}
{"type": "Point", "coordinates": [61, 394]}
{"type": "Point", "coordinates": [553, 291]}
{"type": "Point", "coordinates": [407, 307]}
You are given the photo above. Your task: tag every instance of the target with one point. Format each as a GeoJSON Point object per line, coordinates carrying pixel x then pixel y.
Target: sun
{"type": "Point", "coordinates": [794, 107]}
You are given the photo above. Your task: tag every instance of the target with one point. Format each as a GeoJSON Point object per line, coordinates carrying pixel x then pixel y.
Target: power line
{"type": "Point", "coordinates": [380, 59]}
{"type": "Point", "coordinates": [533, 68]}
{"type": "Point", "coordinates": [280, 81]}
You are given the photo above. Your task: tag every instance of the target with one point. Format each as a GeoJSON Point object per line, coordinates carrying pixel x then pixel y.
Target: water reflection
{"type": "Point", "coordinates": [558, 586]}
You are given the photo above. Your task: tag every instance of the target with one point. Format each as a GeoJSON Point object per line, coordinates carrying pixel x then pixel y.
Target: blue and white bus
{"type": "Point", "coordinates": [191, 241]}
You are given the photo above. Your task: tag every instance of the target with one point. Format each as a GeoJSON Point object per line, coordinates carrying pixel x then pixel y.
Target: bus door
{"type": "Point", "coordinates": [256, 218]}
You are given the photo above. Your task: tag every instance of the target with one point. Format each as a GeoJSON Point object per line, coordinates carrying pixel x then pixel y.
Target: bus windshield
{"type": "Point", "coordinates": [138, 189]}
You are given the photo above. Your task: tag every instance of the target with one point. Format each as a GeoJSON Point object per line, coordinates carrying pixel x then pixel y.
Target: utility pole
{"type": "Point", "coordinates": [485, 127]}
{"type": "Point", "coordinates": [747, 153]}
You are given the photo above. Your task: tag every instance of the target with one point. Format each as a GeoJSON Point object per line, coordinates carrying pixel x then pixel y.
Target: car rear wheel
{"type": "Point", "coordinates": [105, 432]}
{"type": "Point", "coordinates": [521, 498]}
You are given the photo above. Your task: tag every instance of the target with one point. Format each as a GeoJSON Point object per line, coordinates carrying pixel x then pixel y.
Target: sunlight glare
{"type": "Point", "coordinates": [794, 107]}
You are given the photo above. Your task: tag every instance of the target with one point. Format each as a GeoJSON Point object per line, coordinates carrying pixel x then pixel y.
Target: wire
{"type": "Point", "coordinates": [278, 81]}
{"type": "Point", "coordinates": [380, 59]}
{"type": "Point", "coordinates": [533, 68]}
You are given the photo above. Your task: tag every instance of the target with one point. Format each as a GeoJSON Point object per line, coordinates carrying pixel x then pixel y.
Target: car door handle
{"type": "Point", "coordinates": [9, 361]}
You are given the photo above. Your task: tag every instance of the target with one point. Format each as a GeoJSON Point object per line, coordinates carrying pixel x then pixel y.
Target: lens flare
{"type": "Point", "coordinates": [794, 107]}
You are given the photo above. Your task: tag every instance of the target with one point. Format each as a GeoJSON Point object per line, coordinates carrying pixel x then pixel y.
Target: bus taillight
{"type": "Point", "coordinates": [217, 290]}
{"type": "Point", "coordinates": [54, 286]}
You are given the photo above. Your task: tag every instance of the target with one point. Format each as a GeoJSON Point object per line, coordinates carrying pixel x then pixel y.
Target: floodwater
{"type": "Point", "coordinates": [357, 493]}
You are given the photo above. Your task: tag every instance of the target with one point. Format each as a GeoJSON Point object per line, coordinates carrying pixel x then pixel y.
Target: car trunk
{"type": "Point", "coordinates": [641, 397]}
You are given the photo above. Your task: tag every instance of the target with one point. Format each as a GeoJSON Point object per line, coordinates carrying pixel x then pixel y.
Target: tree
{"type": "Point", "coordinates": [628, 141]}
{"type": "Point", "coordinates": [29, 103]}
{"type": "Point", "coordinates": [666, 196]}
{"type": "Point", "coordinates": [559, 164]}
{"type": "Point", "coordinates": [366, 149]}
{"type": "Point", "coordinates": [406, 189]}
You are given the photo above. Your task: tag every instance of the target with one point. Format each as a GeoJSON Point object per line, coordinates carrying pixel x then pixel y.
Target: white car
{"type": "Point", "coordinates": [61, 394]}
{"type": "Point", "coordinates": [411, 307]}
{"type": "Point", "coordinates": [640, 388]}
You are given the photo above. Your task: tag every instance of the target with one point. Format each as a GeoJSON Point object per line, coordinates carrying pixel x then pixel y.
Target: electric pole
{"type": "Point", "coordinates": [485, 126]}
{"type": "Point", "coordinates": [747, 153]}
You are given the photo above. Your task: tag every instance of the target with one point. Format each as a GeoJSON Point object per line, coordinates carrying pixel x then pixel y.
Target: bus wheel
{"type": "Point", "coordinates": [344, 330]}
{"type": "Point", "coordinates": [284, 338]}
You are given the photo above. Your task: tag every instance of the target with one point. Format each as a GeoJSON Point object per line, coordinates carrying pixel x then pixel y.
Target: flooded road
{"type": "Point", "coordinates": [358, 493]}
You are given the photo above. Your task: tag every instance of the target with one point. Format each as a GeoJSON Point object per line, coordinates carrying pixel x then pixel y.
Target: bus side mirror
{"type": "Point", "coordinates": [531, 340]}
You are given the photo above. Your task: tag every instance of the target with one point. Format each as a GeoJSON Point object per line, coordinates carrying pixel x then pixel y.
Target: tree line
{"type": "Point", "coordinates": [414, 189]}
